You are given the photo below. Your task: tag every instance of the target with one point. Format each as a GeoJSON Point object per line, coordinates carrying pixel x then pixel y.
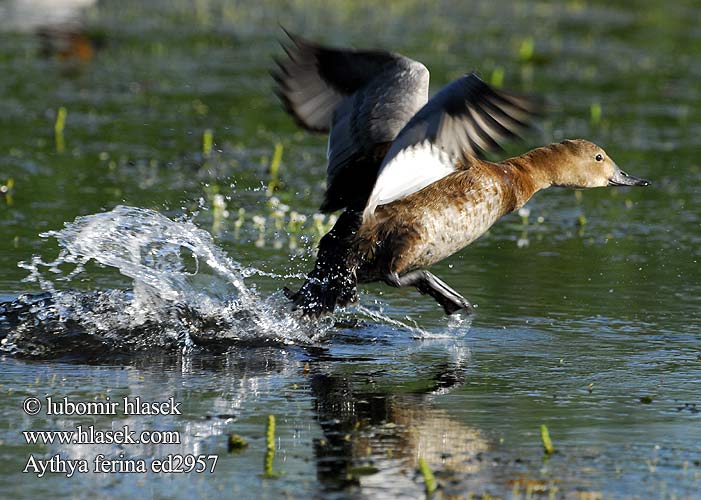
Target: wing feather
{"type": "Point", "coordinates": [363, 98]}
{"type": "Point", "coordinates": [466, 118]}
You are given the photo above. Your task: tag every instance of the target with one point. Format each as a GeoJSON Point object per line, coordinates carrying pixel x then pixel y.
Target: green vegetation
{"type": "Point", "coordinates": [270, 449]}
{"type": "Point", "coordinates": [59, 126]}
{"type": "Point", "coordinates": [274, 183]}
{"type": "Point", "coordinates": [236, 443]}
{"type": "Point", "coordinates": [497, 78]}
{"type": "Point", "coordinates": [6, 191]}
{"type": "Point", "coordinates": [427, 474]}
{"type": "Point", "coordinates": [526, 49]}
{"type": "Point", "coordinates": [600, 278]}
{"type": "Point", "coordinates": [207, 142]}
{"type": "Point", "coordinates": [547, 442]}
{"type": "Point", "coordinates": [595, 113]}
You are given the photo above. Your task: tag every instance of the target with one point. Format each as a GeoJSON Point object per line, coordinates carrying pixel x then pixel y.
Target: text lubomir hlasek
{"type": "Point", "coordinates": [125, 406]}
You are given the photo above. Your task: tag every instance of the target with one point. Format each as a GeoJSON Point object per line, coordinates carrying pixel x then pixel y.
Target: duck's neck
{"type": "Point", "coordinates": [532, 171]}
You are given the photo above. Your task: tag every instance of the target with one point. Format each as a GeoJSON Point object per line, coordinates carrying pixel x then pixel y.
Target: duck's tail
{"type": "Point", "coordinates": [333, 282]}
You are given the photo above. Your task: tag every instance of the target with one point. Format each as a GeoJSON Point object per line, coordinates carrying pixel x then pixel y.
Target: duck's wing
{"type": "Point", "coordinates": [363, 98]}
{"type": "Point", "coordinates": [466, 118]}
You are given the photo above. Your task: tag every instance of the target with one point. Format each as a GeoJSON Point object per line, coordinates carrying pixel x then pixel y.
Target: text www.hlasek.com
{"type": "Point", "coordinates": [61, 463]}
{"type": "Point", "coordinates": [90, 435]}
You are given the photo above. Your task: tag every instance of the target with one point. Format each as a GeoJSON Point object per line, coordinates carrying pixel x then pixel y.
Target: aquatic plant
{"type": "Point", "coordinates": [271, 223]}
{"type": "Point", "coordinates": [238, 223]}
{"type": "Point", "coordinates": [595, 113]}
{"type": "Point", "coordinates": [429, 479]}
{"type": "Point", "coordinates": [497, 78]}
{"type": "Point", "coordinates": [6, 190]}
{"type": "Point", "coordinates": [275, 162]}
{"type": "Point", "coordinates": [59, 126]}
{"type": "Point", "coordinates": [547, 442]}
{"type": "Point", "coordinates": [524, 213]}
{"type": "Point", "coordinates": [259, 223]}
{"type": "Point", "coordinates": [270, 449]}
{"type": "Point", "coordinates": [219, 212]}
{"type": "Point", "coordinates": [236, 443]}
{"type": "Point", "coordinates": [207, 142]}
{"type": "Point", "coordinates": [526, 49]}
{"type": "Point", "coordinates": [219, 206]}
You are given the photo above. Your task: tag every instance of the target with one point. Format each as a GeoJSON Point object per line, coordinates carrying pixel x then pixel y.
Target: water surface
{"type": "Point", "coordinates": [588, 319]}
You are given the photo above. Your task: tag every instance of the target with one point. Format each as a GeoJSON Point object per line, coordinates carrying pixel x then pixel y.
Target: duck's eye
{"type": "Point", "coordinates": [599, 157]}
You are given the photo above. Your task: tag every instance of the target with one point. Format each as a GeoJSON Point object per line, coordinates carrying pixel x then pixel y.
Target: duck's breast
{"type": "Point", "coordinates": [452, 213]}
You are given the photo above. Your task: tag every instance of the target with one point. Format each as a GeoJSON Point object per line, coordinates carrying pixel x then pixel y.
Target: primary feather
{"type": "Point", "coordinates": [363, 98]}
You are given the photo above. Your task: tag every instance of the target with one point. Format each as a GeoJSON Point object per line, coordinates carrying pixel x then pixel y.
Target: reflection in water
{"type": "Point", "coordinates": [374, 435]}
{"type": "Point", "coordinates": [371, 439]}
{"type": "Point", "coordinates": [216, 392]}
{"type": "Point", "coordinates": [611, 301]}
{"type": "Point", "coordinates": [356, 414]}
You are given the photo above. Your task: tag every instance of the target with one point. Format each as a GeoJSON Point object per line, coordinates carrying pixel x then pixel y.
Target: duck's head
{"type": "Point", "coordinates": [583, 164]}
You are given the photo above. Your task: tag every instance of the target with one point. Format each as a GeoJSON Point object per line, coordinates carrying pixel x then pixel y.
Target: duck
{"type": "Point", "coordinates": [410, 172]}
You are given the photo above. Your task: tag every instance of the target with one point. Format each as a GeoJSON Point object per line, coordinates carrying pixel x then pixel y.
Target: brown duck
{"type": "Point", "coordinates": [408, 170]}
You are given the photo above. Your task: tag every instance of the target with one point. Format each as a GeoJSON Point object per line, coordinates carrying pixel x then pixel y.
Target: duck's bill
{"type": "Point", "coordinates": [620, 178]}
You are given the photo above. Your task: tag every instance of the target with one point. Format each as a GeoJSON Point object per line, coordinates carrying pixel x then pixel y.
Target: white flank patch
{"type": "Point", "coordinates": [407, 172]}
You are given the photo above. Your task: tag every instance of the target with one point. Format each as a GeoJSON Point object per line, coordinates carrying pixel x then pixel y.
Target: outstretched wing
{"type": "Point", "coordinates": [363, 98]}
{"type": "Point", "coordinates": [466, 118]}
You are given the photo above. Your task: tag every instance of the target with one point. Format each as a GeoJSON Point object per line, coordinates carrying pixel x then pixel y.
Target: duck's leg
{"type": "Point", "coordinates": [428, 284]}
{"type": "Point", "coordinates": [332, 282]}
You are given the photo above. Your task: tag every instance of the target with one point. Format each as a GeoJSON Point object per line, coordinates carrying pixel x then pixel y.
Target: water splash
{"type": "Point", "coordinates": [380, 317]}
{"type": "Point", "coordinates": [186, 292]}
